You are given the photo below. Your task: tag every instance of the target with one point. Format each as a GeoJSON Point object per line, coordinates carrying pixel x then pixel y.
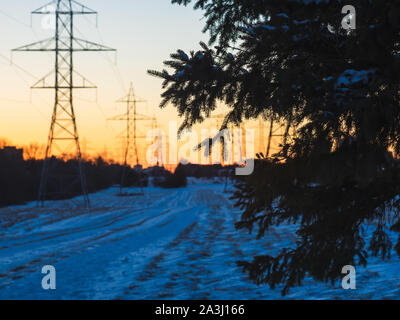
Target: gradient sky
{"type": "Point", "coordinates": [143, 32]}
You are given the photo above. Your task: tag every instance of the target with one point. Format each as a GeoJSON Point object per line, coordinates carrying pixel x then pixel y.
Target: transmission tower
{"type": "Point", "coordinates": [219, 120]}
{"type": "Point", "coordinates": [64, 79]}
{"type": "Point", "coordinates": [275, 130]}
{"type": "Point", "coordinates": [131, 117]}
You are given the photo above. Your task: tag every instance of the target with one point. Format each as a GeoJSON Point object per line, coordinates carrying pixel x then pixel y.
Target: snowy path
{"type": "Point", "coordinates": [178, 244]}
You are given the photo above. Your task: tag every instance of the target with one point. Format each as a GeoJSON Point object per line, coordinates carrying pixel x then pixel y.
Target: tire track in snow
{"type": "Point", "coordinates": [81, 245]}
{"type": "Point", "coordinates": [201, 262]}
{"type": "Point", "coordinates": [183, 267]}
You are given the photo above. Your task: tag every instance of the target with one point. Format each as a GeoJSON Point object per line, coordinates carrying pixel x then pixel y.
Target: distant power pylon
{"type": "Point", "coordinates": [217, 120]}
{"type": "Point", "coordinates": [63, 129]}
{"type": "Point", "coordinates": [131, 117]}
{"type": "Point", "coordinates": [275, 130]}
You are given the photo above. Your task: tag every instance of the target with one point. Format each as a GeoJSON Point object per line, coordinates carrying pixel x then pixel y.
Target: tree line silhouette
{"type": "Point", "coordinates": [20, 178]}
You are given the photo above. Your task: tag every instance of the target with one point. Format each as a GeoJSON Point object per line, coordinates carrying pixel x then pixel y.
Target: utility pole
{"type": "Point", "coordinates": [63, 129]}
{"type": "Point", "coordinates": [131, 117]}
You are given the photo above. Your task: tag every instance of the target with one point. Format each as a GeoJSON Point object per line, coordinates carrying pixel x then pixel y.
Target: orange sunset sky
{"type": "Point", "coordinates": [143, 32]}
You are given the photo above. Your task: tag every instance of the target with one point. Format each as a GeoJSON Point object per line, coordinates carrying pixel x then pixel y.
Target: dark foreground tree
{"type": "Point", "coordinates": [292, 61]}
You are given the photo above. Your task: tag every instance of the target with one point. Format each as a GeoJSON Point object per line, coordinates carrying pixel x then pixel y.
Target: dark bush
{"type": "Point", "coordinates": [176, 180]}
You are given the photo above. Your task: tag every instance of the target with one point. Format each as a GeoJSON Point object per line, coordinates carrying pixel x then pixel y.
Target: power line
{"type": "Point", "coordinates": [26, 82]}
{"type": "Point", "coordinates": [117, 71]}
{"type": "Point", "coordinates": [14, 19]}
{"type": "Point", "coordinates": [11, 17]}
{"type": "Point", "coordinates": [18, 66]}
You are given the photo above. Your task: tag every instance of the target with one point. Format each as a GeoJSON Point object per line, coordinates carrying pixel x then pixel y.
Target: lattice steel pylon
{"type": "Point", "coordinates": [131, 117]}
{"type": "Point", "coordinates": [275, 130]}
{"type": "Point", "coordinates": [63, 129]}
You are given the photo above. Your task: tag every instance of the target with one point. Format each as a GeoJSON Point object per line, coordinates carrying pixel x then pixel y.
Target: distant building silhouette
{"type": "Point", "coordinates": [12, 153]}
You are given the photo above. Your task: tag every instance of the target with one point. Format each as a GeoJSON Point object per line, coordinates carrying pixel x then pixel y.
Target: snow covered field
{"type": "Point", "coordinates": [168, 244]}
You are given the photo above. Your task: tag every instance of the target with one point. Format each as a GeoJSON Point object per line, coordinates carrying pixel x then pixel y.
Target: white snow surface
{"type": "Point", "coordinates": [168, 244]}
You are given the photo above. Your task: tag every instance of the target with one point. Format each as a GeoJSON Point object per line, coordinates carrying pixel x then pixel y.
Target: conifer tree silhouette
{"type": "Point", "coordinates": [293, 60]}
